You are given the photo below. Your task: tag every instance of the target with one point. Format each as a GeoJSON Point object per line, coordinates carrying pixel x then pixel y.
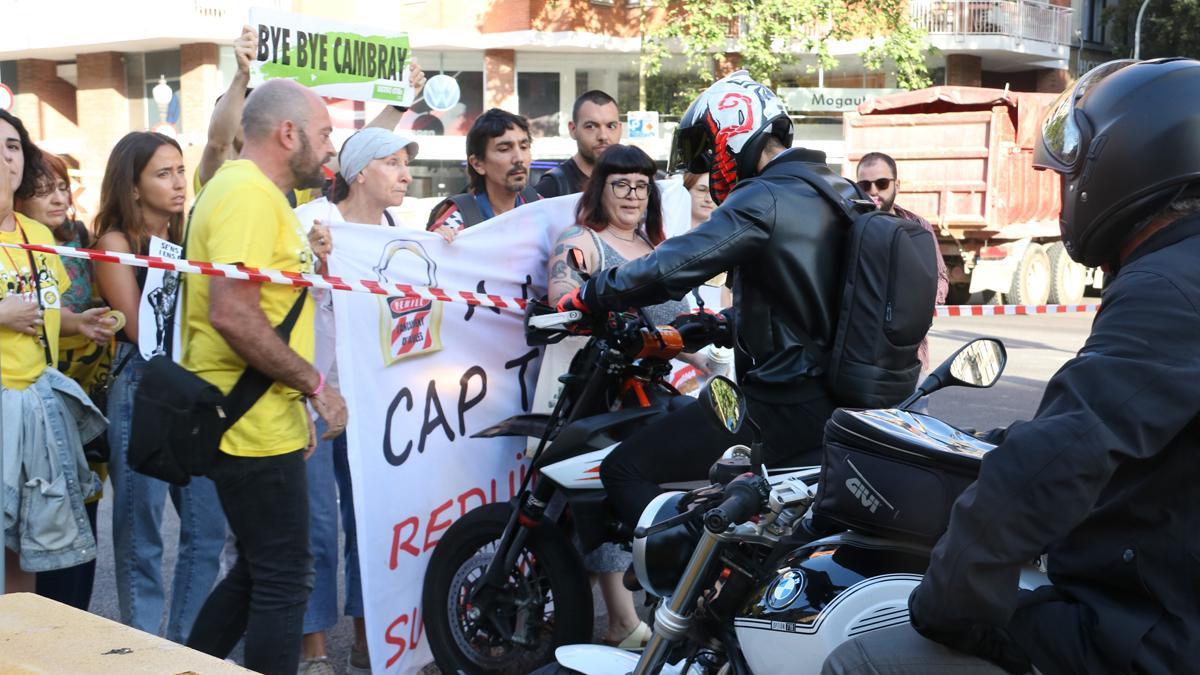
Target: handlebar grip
{"type": "Point", "coordinates": [744, 498]}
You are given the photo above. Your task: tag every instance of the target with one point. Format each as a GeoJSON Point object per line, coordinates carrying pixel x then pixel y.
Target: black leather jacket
{"type": "Point", "coordinates": [786, 244]}
{"type": "Point", "coordinates": [1106, 480]}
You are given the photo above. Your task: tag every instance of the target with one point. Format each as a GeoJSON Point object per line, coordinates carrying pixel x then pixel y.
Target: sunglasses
{"type": "Point", "coordinates": [881, 184]}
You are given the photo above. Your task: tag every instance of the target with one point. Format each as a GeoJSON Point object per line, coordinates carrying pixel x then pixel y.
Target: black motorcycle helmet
{"type": "Point", "coordinates": [1126, 140]}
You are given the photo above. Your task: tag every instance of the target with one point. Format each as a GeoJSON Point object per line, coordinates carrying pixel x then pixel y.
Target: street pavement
{"type": "Point", "coordinates": [1037, 346]}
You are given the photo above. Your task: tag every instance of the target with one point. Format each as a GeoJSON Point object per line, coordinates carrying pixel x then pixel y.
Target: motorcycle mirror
{"type": "Point", "coordinates": [725, 401]}
{"type": "Point", "coordinates": [977, 364]}
{"type": "Point", "coordinates": [576, 262]}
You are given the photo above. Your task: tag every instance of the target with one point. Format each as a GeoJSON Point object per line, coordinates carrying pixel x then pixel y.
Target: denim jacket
{"type": "Point", "coordinates": [45, 475]}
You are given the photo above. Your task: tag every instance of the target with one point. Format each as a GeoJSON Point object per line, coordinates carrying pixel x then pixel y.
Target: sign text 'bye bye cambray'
{"type": "Point", "coordinates": [334, 59]}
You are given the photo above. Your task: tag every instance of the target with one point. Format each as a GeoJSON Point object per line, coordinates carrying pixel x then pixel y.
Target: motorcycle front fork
{"type": "Point", "coordinates": [674, 614]}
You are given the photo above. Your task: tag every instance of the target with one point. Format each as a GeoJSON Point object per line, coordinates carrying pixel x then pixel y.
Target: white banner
{"type": "Point", "coordinates": [419, 379]}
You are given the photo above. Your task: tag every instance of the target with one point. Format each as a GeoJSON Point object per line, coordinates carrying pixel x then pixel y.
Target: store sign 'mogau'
{"type": "Point", "coordinates": [812, 99]}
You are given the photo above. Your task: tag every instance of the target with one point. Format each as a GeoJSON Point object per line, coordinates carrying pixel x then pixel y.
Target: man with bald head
{"type": "Point", "coordinates": [230, 329]}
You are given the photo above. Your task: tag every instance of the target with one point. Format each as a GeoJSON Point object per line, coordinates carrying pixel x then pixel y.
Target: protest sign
{"type": "Point", "coordinates": [156, 310]}
{"type": "Point", "coordinates": [419, 378]}
{"type": "Point", "coordinates": [332, 58]}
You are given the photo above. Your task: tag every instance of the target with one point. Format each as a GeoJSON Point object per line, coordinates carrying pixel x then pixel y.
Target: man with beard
{"type": "Point", "coordinates": [498, 156]}
{"type": "Point", "coordinates": [595, 124]}
{"type": "Point", "coordinates": [876, 176]}
{"type": "Point", "coordinates": [242, 217]}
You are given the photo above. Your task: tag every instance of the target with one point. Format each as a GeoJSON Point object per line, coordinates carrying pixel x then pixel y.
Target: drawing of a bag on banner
{"type": "Point", "coordinates": [408, 326]}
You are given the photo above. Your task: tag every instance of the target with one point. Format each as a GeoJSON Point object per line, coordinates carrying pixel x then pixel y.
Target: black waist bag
{"type": "Point", "coordinates": [894, 473]}
{"type": "Point", "coordinates": [179, 418]}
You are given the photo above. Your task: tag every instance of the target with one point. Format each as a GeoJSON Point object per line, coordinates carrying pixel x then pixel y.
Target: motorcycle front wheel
{"type": "Point", "coordinates": [545, 602]}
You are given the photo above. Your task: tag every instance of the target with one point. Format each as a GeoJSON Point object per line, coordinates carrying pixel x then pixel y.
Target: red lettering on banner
{"type": "Point", "coordinates": [406, 531]}
{"type": "Point", "coordinates": [407, 546]}
{"type": "Point", "coordinates": [435, 526]}
{"type": "Point", "coordinates": [416, 628]}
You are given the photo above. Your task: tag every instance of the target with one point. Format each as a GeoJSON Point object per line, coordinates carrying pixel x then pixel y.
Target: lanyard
{"type": "Point", "coordinates": [37, 289]}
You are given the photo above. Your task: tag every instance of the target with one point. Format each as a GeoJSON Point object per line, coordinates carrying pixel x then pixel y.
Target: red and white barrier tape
{"type": "Point", "coordinates": [429, 293]}
{"type": "Point", "coordinates": [295, 279]}
{"type": "Point", "coordinates": [1011, 310]}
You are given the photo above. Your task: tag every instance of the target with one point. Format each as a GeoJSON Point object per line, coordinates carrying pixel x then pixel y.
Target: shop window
{"type": "Point", "coordinates": [539, 101]}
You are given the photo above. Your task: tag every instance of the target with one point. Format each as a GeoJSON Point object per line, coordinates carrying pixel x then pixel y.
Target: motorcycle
{"type": "Point", "coordinates": [506, 584]}
{"type": "Point", "coordinates": [754, 579]}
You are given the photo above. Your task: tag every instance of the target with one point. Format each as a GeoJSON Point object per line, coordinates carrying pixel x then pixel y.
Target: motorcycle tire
{"type": "Point", "coordinates": [549, 570]}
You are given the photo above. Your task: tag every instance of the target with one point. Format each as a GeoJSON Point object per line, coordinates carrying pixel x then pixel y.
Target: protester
{"type": "Point", "coordinates": [142, 196]}
{"type": "Point", "coordinates": [79, 358]}
{"type": "Point", "coordinates": [46, 416]}
{"type": "Point", "coordinates": [224, 129]}
{"type": "Point", "coordinates": [243, 217]}
{"type": "Point", "coordinates": [702, 203]}
{"type": "Point", "coordinates": [785, 241]}
{"type": "Point", "coordinates": [372, 178]}
{"type": "Point", "coordinates": [595, 125]}
{"type": "Point", "coordinates": [1103, 479]}
{"type": "Point", "coordinates": [498, 159]}
{"type": "Point", "coordinates": [877, 176]}
{"type": "Point", "coordinates": [620, 194]}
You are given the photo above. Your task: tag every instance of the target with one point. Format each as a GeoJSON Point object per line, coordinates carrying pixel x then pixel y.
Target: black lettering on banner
{"type": "Point", "coordinates": [479, 288]}
{"type": "Point", "coordinates": [280, 45]}
{"type": "Point", "coordinates": [320, 51]}
{"type": "Point", "coordinates": [337, 61]}
{"type": "Point", "coordinates": [370, 59]}
{"type": "Point", "coordinates": [432, 400]}
{"type": "Point", "coordinates": [391, 63]}
{"type": "Point", "coordinates": [525, 287]}
{"type": "Point", "coordinates": [388, 454]}
{"type": "Point", "coordinates": [463, 404]}
{"type": "Point", "coordinates": [264, 43]}
{"type": "Point", "coordinates": [301, 49]}
{"type": "Point", "coordinates": [522, 365]}
{"type": "Point", "coordinates": [360, 55]}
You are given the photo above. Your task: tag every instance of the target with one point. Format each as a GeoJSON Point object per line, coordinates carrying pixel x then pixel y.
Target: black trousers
{"type": "Point", "coordinates": [684, 443]}
{"type": "Point", "coordinates": [264, 595]}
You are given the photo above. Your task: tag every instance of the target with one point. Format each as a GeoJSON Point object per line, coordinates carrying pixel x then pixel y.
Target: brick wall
{"type": "Point", "coordinates": [199, 87]}
{"type": "Point", "coordinates": [500, 79]}
{"type": "Point", "coordinates": [102, 97]}
{"type": "Point", "coordinates": [45, 102]}
{"type": "Point", "coordinates": [964, 69]}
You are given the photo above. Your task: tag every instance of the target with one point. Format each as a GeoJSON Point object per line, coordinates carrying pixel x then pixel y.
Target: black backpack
{"type": "Point", "coordinates": [469, 208]}
{"type": "Point", "coordinates": [886, 305]}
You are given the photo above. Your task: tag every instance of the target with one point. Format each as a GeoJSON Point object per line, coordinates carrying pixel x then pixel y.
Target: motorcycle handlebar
{"type": "Point", "coordinates": [745, 497]}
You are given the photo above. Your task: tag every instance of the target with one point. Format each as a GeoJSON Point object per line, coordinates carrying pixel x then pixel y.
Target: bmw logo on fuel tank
{"type": "Point", "coordinates": [785, 589]}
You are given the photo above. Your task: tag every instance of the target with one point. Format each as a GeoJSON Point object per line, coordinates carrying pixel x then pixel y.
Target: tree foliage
{"type": "Point", "coordinates": [1169, 28]}
{"type": "Point", "coordinates": [772, 34]}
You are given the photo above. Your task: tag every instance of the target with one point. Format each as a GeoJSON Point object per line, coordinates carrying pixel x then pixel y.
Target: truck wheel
{"type": "Point", "coordinates": [1067, 277]}
{"type": "Point", "coordinates": [1031, 281]}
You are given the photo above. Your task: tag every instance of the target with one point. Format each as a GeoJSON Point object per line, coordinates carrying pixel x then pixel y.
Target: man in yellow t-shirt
{"type": "Point", "coordinates": [243, 217]}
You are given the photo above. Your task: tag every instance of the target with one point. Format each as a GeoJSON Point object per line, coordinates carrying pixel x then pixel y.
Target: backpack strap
{"type": "Point", "coordinates": [560, 179]}
{"type": "Point", "coordinates": [252, 384]}
{"type": "Point", "coordinates": [851, 205]}
{"type": "Point", "coordinates": [528, 194]}
{"type": "Point", "coordinates": [387, 215]}
{"type": "Point", "coordinates": [468, 207]}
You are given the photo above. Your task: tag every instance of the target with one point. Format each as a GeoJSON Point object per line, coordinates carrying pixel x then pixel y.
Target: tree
{"type": "Point", "coordinates": [771, 34]}
{"type": "Point", "coordinates": [1169, 28]}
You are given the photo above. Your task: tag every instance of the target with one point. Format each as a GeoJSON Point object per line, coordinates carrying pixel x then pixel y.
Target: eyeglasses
{"type": "Point", "coordinates": [622, 189]}
{"type": "Point", "coordinates": [46, 189]}
{"type": "Point", "coordinates": [881, 184]}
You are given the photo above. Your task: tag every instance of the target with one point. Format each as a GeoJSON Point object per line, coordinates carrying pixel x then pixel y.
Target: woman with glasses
{"type": "Point", "coordinates": [619, 218]}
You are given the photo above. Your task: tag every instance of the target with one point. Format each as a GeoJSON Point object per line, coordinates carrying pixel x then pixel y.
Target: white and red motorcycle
{"type": "Point", "coordinates": [754, 579]}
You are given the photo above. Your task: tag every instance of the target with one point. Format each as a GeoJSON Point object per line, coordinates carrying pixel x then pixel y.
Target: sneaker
{"type": "Point", "coordinates": [318, 666]}
{"type": "Point", "coordinates": [360, 660]}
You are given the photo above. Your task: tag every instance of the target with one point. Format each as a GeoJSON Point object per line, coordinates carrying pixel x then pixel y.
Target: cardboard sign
{"type": "Point", "coordinates": [332, 58]}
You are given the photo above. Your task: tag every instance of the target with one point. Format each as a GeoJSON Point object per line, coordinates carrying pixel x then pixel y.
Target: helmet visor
{"type": "Point", "coordinates": [691, 151]}
{"type": "Point", "coordinates": [1062, 138]}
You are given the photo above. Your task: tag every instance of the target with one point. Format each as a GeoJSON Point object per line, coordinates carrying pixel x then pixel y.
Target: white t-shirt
{"type": "Point", "coordinates": [325, 348]}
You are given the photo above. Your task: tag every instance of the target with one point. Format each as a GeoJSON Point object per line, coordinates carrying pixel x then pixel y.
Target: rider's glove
{"type": "Point", "coordinates": [573, 302]}
{"type": "Point", "coordinates": [702, 328]}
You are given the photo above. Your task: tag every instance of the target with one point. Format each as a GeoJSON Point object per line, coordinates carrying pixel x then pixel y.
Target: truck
{"type": "Point", "coordinates": [964, 159]}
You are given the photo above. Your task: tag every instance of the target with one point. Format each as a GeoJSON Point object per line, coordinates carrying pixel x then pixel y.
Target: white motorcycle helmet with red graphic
{"type": "Point", "coordinates": [724, 131]}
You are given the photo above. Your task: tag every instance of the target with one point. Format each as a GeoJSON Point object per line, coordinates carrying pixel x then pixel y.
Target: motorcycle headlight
{"type": "Point", "coordinates": [660, 558]}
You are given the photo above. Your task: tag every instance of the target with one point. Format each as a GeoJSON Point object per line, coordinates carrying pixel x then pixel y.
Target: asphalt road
{"type": "Point", "coordinates": [1037, 346]}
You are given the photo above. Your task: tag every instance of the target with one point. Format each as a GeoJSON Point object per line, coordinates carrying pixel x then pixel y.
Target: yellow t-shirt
{"type": "Point", "coordinates": [22, 356]}
{"type": "Point", "coordinates": [302, 196]}
{"type": "Point", "coordinates": [242, 217]}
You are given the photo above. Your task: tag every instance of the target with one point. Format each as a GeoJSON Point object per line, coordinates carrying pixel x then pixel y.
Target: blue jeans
{"type": "Point", "coordinates": [264, 595]}
{"type": "Point", "coordinates": [137, 526]}
{"type": "Point", "coordinates": [329, 494]}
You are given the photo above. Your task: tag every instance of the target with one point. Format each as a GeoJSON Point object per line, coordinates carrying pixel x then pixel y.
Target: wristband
{"type": "Point", "coordinates": [320, 386]}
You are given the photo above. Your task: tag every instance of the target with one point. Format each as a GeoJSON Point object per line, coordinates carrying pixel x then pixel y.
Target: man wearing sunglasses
{"type": "Point", "coordinates": [877, 178]}
{"type": "Point", "coordinates": [1104, 480]}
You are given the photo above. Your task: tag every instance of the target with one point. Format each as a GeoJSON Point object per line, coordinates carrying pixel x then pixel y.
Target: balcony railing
{"type": "Point", "coordinates": [1022, 19]}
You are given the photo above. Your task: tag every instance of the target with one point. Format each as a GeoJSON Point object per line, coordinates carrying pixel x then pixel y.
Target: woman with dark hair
{"type": "Point", "coordinates": [142, 196]}
{"type": "Point", "coordinates": [45, 415]}
{"type": "Point", "coordinates": [79, 358]}
{"type": "Point", "coordinates": [619, 218]}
